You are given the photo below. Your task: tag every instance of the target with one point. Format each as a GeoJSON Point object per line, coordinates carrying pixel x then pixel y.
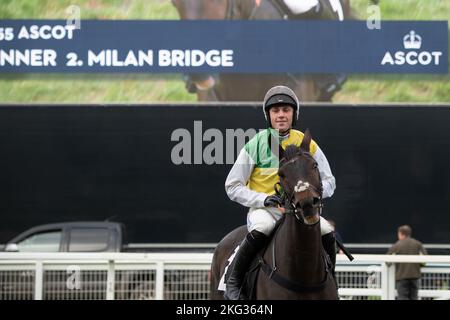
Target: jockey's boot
{"type": "Point", "coordinates": [329, 244]}
{"type": "Point", "coordinates": [250, 246]}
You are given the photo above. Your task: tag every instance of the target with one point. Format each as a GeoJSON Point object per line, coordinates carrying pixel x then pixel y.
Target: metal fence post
{"type": "Point", "coordinates": [159, 285]}
{"type": "Point", "coordinates": [38, 280]}
{"type": "Point", "coordinates": [384, 282]}
{"type": "Point", "coordinates": [391, 279]}
{"type": "Point", "coordinates": [387, 281]}
{"type": "Point", "coordinates": [110, 280]}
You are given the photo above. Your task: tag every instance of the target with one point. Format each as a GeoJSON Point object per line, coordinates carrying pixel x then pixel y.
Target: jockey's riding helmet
{"type": "Point", "coordinates": [280, 95]}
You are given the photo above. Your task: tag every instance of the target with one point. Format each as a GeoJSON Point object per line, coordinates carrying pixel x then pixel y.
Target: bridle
{"type": "Point", "coordinates": [301, 186]}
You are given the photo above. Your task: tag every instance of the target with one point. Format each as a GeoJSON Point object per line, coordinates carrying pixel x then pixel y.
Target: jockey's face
{"type": "Point", "coordinates": [281, 117]}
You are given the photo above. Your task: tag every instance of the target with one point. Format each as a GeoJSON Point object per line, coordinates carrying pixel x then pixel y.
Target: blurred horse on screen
{"type": "Point", "coordinates": [251, 87]}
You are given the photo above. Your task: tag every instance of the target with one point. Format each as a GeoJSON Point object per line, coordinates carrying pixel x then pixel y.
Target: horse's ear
{"type": "Point", "coordinates": [306, 141]}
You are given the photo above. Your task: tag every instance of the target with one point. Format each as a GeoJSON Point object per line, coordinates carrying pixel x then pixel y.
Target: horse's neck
{"type": "Point", "coordinates": [243, 9]}
{"type": "Point", "coordinates": [299, 251]}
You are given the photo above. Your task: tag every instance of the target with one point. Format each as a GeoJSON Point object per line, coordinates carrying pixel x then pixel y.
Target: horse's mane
{"type": "Point", "coordinates": [291, 152]}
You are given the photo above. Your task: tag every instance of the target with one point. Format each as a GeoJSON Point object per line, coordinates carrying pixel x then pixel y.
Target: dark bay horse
{"type": "Point", "coordinates": [251, 87]}
{"type": "Point", "coordinates": [294, 264]}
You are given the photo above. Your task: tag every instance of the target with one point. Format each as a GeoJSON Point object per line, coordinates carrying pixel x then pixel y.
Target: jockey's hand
{"type": "Point", "coordinates": [272, 201]}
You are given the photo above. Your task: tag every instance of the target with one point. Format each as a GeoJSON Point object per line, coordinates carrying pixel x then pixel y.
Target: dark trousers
{"type": "Point", "coordinates": [407, 289]}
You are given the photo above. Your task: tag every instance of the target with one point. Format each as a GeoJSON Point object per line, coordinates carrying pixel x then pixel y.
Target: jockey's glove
{"type": "Point", "coordinates": [273, 201]}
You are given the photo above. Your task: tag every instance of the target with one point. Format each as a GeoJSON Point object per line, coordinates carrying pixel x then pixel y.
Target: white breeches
{"type": "Point", "coordinates": [264, 219]}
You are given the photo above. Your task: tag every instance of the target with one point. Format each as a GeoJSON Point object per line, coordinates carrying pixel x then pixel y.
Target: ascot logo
{"type": "Point", "coordinates": [412, 42]}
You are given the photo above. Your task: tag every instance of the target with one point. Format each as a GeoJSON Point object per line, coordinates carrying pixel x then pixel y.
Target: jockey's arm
{"type": "Point", "coordinates": [328, 180]}
{"type": "Point", "coordinates": [236, 183]}
{"type": "Point", "coordinates": [311, 9]}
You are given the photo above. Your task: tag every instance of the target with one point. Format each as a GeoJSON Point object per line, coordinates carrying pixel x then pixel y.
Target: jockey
{"type": "Point", "coordinates": [251, 181]}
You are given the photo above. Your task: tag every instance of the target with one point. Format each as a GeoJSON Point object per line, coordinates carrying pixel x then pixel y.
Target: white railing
{"type": "Point", "coordinates": [373, 276]}
{"type": "Point", "coordinates": [186, 276]}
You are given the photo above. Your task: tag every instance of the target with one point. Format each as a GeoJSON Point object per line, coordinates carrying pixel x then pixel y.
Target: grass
{"type": "Point", "coordinates": [69, 88]}
{"type": "Point", "coordinates": [89, 9]}
{"type": "Point", "coordinates": [92, 89]}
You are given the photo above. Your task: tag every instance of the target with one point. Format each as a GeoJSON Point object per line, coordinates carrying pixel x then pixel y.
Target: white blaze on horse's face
{"type": "Point", "coordinates": [301, 186]}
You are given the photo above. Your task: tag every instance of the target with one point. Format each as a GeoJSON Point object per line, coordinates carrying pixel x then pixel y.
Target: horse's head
{"type": "Point", "coordinates": [300, 180]}
{"type": "Point", "coordinates": [201, 9]}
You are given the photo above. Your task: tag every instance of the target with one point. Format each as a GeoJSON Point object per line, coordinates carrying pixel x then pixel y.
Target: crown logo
{"type": "Point", "coordinates": [412, 40]}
